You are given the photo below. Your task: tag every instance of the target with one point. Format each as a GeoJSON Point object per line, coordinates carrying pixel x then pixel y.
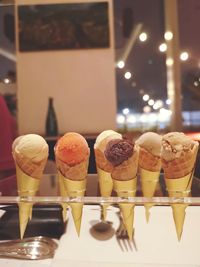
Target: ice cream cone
{"type": "Point", "coordinates": [75, 189]}
{"type": "Point", "coordinates": [178, 178]}
{"type": "Point", "coordinates": [72, 158]}
{"type": "Point", "coordinates": [73, 184]}
{"type": "Point", "coordinates": [124, 176]}
{"type": "Point", "coordinates": [126, 189]}
{"type": "Point", "coordinates": [27, 186]}
{"type": "Point", "coordinates": [106, 187]}
{"type": "Point", "coordinates": [180, 187]}
{"type": "Point", "coordinates": [30, 153]}
{"type": "Point", "coordinates": [149, 165]}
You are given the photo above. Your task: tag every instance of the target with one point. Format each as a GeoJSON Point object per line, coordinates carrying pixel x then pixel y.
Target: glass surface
{"type": "Point", "coordinates": [49, 194]}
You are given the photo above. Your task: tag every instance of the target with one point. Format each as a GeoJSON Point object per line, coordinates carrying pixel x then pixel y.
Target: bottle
{"type": "Point", "coordinates": [51, 120]}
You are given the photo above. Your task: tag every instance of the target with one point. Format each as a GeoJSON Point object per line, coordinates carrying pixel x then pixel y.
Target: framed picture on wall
{"type": "Point", "coordinates": [63, 26]}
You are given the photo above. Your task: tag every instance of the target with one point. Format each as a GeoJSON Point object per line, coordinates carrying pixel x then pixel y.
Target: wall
{"type": "Point", "coordinates": [82, 83]}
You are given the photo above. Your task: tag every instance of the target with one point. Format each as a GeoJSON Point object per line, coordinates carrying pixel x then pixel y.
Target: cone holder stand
{"type": "Point", "coordinates": [160, 201]}
{"type": "Point", "coordinates": [163, 197]}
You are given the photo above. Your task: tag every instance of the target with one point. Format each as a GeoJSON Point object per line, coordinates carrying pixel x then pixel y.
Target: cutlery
{"type": "Point", "coordinates": [102, 229]}
{"type": "Point", "coordinates": [122, 237]}
{"type": "Point", "coordinates": [33, 248]}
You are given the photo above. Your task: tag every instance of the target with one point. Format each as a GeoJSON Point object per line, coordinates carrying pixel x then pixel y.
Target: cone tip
{"type": "Point", "coordinates": [147, 214]}
{"type": "Point", "coordinates": [22, 229]}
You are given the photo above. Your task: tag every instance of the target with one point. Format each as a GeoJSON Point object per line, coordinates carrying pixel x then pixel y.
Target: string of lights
{"type": "Point", "coordinates": [154, 110]}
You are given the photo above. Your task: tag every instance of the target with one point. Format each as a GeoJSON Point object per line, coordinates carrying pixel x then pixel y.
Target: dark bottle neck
{"type": "Point", "coordinates": [50, 101]}
{"type": "Point", "coordinates": [51, 120]}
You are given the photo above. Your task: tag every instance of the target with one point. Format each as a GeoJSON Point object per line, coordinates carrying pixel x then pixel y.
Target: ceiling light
{"type": "Point", "coordinates": [151, 102]}
{"type": "Point", "coordinates": [168, 36]}
{"type": "Point", "coordinates": [145, 97]}
{"type": "Point", "coordinates": [125, 111]}
{"type": "Point", "coordinates": [184, 56]}
{"type": "Point", "coordinates": [169, 62]}
{"type": "Point", "coordinates": [127, 75]}
{"type": "Point", "coordinates": [6, 80]}
{"type": "Point", "coordinates": [163, 47]}
{"type": "Point", "coordinates": [143, 37]}
{"type": "Point", "coordinates": [121, 64]}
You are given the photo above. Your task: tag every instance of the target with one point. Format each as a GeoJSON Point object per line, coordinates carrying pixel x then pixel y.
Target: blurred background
{"type": "Point", "coordinates": [147, 78]}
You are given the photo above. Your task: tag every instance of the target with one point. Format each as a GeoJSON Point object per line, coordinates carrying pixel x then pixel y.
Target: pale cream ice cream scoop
{"type": "Point", "coordinates": [31, 146]}
{"type": "Point", "coordinates": [104, 137]}
{"type": "Point", "coordinates": [151, 142]}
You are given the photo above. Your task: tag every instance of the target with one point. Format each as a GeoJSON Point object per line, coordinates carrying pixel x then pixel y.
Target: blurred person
{"type": "Point", "coordinates": [8, 132]}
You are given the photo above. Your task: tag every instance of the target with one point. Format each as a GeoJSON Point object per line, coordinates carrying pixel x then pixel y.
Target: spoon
{"type": "Point", "coordinates": [102, 229]}
{"type": "Point", "coordinates": [33, 248]}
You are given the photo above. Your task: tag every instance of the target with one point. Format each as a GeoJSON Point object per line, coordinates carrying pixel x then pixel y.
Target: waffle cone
{"type": "Point", "coordinates": [181, 166]}
{"type": "Point", "coordinates": [73, 184]}
{"type": "Point", "coordinates": [149, 182]}
{"type": "Point", "coordinates": [180, 187]}
{"type": "Point", "coordinates": [101, 161]}
{"type": "Point", "coordinates": [74, 173]}
{"type": "Point", "coordinates": [106, 187]}
{"type": "Point", "coordinates": [126, 189]}
{"type": "Point", "coordinates": [31, 168]}
{"type": "Point", "coordinates": [178, 175]}
{"type": "Point", "coordinates": [27, 186]}
{"type": "Point", "coordinates": [77, 172]}
{"type": "Point", "coordinates": [24, 213]}
{"type": "Point", "coordinates": [148, 161]}
{"type": "Point", "coordinates": [75, 189]}
{"type": "Point", "coordinates": [127, 170]}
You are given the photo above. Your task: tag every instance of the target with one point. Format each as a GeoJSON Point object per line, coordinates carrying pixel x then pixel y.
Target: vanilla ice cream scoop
{"type": "Point", "coordinates": [31, 146]}
{"type": "Point", "coordinates": [106, 136]}
{"type": "Point", "coordinates": [174, 143]}
{"type": "Point", "coordinates": [151, 142]}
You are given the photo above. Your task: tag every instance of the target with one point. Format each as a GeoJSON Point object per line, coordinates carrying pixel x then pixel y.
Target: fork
{"type": "Point", "coordinates": [122, 237]}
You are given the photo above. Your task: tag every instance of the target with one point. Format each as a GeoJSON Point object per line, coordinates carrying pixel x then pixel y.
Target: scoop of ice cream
{"type": "Point", "coordinates": [118, 150]}
{"type": "Point", "coordinates": [174, 143]}
{"type": "Point", "coordinates": [104, 137]}
{"type": "Point", "coordinates": [72, 149]}
{"type": "Point", "coordinates": [151, 142]}
{"type": "Point", "coordinates": [31, 146]}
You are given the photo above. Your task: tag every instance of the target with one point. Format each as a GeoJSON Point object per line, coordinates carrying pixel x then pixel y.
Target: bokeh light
{"type": "Point", "coordinates": [127, 75]}
{"type": "Point", "coordinates": [143, 36]}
